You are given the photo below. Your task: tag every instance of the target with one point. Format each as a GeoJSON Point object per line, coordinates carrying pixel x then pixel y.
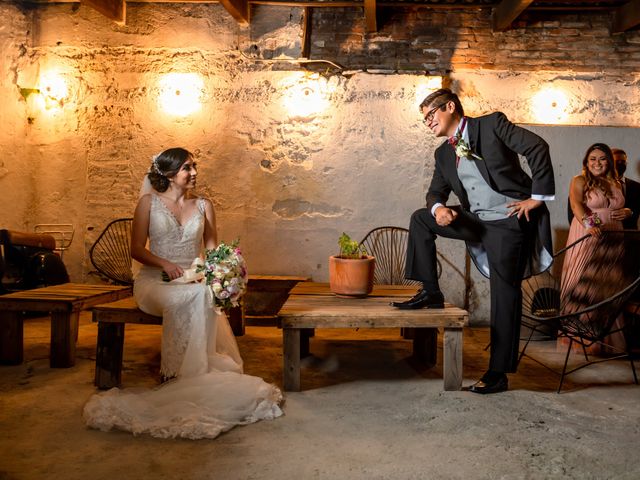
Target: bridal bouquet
{"type": "Point", "coordinates": [225, 271]}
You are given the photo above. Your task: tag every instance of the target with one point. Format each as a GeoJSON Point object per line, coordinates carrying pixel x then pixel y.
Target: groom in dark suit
{"type": "Point", "coordinates": [502, 218]}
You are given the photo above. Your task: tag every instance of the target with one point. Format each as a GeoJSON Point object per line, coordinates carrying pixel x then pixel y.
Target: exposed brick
{"type": "Point", "coordinates": [574, 24]}
{"type": "Point", "coordinates": [555, 54]}
{"type": "Point", "coordinates": [564, 32]}
{"type": "Point", "coordinates": [525, 54]}
{"type": "Point", "coordinates": [602, 32]}
{"type": "Point", "coordinates": [440, 40]}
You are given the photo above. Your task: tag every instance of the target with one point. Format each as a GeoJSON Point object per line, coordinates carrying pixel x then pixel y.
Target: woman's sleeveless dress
{"type": "Point", "coordinates": [575, 260]}
{"type": "Point", "coordinates": [210, 394]}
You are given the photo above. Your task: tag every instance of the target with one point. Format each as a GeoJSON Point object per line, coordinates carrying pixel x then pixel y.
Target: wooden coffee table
{"type": "Point", "coordinates": [64, 303]}
{"type": "Point", "coordinates": [305, 311]}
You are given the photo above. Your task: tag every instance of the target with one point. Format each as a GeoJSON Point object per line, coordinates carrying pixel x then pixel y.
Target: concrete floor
{"type": "Point", "coordinates": [366, 412]}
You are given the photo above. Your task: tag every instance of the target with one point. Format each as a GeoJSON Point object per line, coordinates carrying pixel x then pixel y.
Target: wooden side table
{"type": "Point", "coordinates": [64, 303]}
{"type": "Point", "coordinates": [302, 312]}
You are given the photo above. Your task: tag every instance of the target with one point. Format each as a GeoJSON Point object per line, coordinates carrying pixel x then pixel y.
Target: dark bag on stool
{"type": "Point", "coordinates": [28, 260]}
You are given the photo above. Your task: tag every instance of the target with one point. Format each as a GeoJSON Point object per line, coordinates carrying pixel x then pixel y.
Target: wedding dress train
{"type": "Point", "coordinates": [210, 394]}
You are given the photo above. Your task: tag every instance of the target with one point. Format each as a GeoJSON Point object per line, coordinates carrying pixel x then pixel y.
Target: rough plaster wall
{"type": "Point", "coordinates": [287, 184]}
{"type": "Point", "coordinates": [16, 171]}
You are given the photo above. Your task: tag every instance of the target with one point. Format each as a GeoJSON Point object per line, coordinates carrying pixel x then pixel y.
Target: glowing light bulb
{"type": "Point", "coordinates": [53, 90]}
{"type": "Point", "coordinates": [309, 97]}
{"type": "Point", "coordinates": [181, 93]}
{"type": "Point", "coordinates": [550, 105]}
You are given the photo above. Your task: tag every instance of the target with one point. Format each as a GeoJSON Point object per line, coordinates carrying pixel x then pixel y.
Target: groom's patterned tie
{"type": "Point", "coordinates": [453, 141]}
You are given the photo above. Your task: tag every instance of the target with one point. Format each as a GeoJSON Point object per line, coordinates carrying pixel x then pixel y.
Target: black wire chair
{"type": "Point", "coordinates": [582, 297]}
{"type": "Point", "coordinates": [111, 252]}
{"type": "Point", "coordinates": [389, 246]}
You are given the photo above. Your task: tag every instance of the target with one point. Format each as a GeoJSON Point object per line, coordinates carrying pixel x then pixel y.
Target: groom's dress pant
{"type": "Point", "coordinates": [507, 246]}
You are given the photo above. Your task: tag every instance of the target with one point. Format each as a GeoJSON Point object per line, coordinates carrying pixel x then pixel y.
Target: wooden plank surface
{"type": "Point", "coordinates": [125, 304]}
{"type": "Point", "coordinates": [64, 302]}
{"type": "Point", "coordinates": [320, 311]}
{"type": "Point", "coordinates": [325, 310]}
{"type": "Point", "coordinates": [41, 299]}
{"type": "Point", "coordinates": [288, 278]}
{"type": "Point", "coordinates": [123, 311]}
{"type": "Point", "coordinates": [317, 288]}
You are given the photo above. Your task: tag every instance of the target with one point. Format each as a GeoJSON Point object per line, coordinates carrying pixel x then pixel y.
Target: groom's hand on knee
{"type": "Point", "coordinates": [445, 215]}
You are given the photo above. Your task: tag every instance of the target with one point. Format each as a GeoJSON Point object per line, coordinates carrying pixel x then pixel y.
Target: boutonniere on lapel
{"type": "Point", "coordinates": [462, 148]}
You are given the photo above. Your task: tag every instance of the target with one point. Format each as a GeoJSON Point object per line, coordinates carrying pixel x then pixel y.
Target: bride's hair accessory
{"type": "Point", "coordinates": [154, 166]}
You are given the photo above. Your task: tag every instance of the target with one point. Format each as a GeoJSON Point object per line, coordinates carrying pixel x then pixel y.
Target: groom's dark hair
{"type": "Point", "coordinates": [442, 96]}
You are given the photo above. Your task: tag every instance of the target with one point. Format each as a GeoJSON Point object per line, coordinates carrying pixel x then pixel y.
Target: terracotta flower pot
{"type": "Point", "coordinates": [351, 277]}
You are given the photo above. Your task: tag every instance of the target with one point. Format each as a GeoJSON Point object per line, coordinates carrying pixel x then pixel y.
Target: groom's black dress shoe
{"type": "Point", "coordinates": [491, 382]}
{"type": "Point", "coordinates": [422, 299]}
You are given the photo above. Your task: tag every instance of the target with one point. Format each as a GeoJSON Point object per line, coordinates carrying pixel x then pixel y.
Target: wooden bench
{"type": "Point", "coordinates": [112, 318]}
{"type": "Point", "coordinates": [264, 294]}
{"type": "Point", "coordinates": [64, 303]}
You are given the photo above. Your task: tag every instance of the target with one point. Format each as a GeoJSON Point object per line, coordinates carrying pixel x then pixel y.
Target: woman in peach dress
{"type": "Point", "coordinates": [597, 203]}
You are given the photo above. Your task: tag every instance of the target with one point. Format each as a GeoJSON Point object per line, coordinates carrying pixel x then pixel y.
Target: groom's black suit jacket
{"type": "Point", "coordinates": [498, 142]}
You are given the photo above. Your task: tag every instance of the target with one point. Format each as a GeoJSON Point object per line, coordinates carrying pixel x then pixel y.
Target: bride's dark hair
{"type": "Point", "coordinates": [166, 165]}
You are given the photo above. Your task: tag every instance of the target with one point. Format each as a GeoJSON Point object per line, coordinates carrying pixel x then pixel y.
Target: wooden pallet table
{"type": "Point", "coordinates": [64, 303]}
{"type": "Point", "coordinates": [302, 312]}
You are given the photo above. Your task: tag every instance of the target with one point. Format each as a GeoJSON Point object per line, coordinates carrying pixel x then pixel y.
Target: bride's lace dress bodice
{"type": "Point", "coordinates": [168, 239]}
{"type": "Point", "coordinates": [210, 394]}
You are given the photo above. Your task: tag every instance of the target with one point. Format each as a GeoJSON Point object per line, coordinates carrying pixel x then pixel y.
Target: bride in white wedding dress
{"type": "Point", "coordinates": [207, 392]}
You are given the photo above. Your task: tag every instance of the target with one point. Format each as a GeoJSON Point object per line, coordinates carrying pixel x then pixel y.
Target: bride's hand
{"type": "Point", "coordinates": [172, 270]}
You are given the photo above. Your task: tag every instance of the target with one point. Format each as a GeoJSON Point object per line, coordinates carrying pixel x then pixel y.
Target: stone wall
{"type": "Point", "coordinates": [287, 175]}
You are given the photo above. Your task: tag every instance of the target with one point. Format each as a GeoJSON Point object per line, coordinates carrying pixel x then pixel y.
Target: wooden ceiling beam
{"type": "Point", "coordinates": [306, 33]}
{"type": "Point", "coordinates": [370, 18]}
{"type": "Point", "coordinates": [626, 16]}
{"type": "Point", "coordinates": [238, 9]}
{"type": "Point", "coordinates": [506, 12]}
{"type": "Point", "coordinates": [112, 9]}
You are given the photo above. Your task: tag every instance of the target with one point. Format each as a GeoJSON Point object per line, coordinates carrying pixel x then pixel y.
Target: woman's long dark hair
{"type": "Point", "coordinates": [603, 183]}
{"type": "Point", "coordinates": [165, 166]}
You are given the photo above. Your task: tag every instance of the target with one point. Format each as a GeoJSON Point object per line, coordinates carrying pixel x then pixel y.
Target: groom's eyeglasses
{"type": "Point", "coordinates": [430, 114]}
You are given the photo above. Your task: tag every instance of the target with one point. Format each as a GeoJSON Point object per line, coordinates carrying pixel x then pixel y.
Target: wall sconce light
{"type": "Point", "coordinates": [181, 93]}
{"type": "Point", "coordinates": [550, 106]}
{"type": "Point", "coordinates": [308, 97]}
{"type": "Point", "coordinates": [51, 93]}
{"type": "Point", "coordinates": [53, 89]}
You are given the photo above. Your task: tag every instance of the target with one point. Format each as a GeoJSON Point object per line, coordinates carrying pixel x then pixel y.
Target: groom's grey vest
{"type": "Point", "coordinates": [484, 201]}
